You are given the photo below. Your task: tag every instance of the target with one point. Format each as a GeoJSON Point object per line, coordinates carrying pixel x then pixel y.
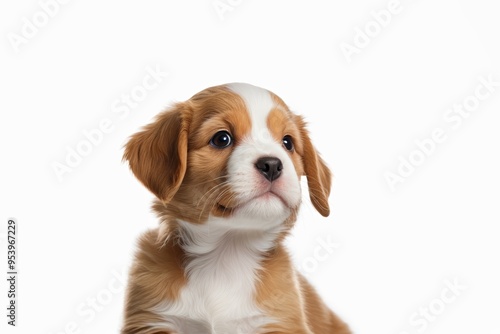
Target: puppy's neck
{"type": "Point", "coordinates": [216, 237]}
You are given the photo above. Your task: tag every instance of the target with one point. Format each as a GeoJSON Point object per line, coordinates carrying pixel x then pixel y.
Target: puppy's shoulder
{"type": "Point", "coordinates": [155, 250]}
{"type": "Point", "coordinates": [158, 263]}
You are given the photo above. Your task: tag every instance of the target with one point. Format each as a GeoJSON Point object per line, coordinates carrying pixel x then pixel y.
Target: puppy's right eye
{"type": "Point", "coordinates": [221, 139]}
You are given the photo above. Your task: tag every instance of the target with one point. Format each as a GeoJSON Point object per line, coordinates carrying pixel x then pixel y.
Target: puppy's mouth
{"type": "Point", "coordinates": [228, 209]}
{"type": "Point", "coordinates": [268, 195]}
{"type": "Point", "coordinates": [224, 210]}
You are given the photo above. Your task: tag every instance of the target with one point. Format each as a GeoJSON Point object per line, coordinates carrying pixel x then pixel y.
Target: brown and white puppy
{"type": "Point", "coordinates": [225, 168]}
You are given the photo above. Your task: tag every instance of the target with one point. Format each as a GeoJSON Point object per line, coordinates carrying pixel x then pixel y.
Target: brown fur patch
{"type": "Point", "coordinates": [156, 275]}
{"type": "Point", "coordinates": [289, 298]}
{"type": "Point", "coordinates": [281, 123]}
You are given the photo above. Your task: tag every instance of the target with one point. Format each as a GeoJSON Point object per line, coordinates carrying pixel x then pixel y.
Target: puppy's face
{"type": "Point", "coordinates": [233, 151]}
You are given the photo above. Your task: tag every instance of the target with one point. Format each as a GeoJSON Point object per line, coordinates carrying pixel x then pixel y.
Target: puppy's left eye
{"type": "Point", "coordinates": [288, 143]}
{"type": "Point", "coordinates": [221, 139]}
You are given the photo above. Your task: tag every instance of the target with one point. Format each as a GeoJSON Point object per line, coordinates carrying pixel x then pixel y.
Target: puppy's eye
{"type": "Point", "coordinates": [221, 139]}
{"type": "Point", "coordinates": [288, 143]}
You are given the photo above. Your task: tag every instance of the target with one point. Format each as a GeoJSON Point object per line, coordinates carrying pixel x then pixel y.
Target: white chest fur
{"type": "Point", "coordinates": [222, 273]}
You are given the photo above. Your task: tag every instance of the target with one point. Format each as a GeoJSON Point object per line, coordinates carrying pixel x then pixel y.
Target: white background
{"type": "Point", "coordinates": [395, 249]}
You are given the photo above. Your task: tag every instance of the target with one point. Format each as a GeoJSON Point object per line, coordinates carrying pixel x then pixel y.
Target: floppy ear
{"type": "Point", "coordinates": [157, 155]}
{"type": "Point", "coordinates": [319, 177]}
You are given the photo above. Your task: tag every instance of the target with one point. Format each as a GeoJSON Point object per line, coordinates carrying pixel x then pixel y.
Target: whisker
{"type": "Point", "coordinates": [212, 190]}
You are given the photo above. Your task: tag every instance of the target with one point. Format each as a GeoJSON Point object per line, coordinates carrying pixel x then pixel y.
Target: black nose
{"type": "Point", "coordinates": [269, 167]}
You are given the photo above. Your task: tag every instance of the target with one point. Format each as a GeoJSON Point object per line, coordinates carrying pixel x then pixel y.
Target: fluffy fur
{"type": "Point", "coordinates": [216, 264]}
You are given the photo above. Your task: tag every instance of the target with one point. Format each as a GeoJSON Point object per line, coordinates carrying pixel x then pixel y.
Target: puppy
{"type": "Point", "coordinates": [225, 168]}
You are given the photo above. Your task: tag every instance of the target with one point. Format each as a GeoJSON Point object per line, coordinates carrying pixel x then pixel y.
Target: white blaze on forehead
{"type": "Point", "coordinates": [259, 104]}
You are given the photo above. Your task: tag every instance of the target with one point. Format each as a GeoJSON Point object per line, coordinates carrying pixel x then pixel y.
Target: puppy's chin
{"type": "Point", "coordinates": [267, 207]}
{"type": "Point", "coordinates": [261, 213]}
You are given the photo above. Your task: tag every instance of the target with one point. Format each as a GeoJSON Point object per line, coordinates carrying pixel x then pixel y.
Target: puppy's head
{"type": "Point", "coordinates": [232, 151]}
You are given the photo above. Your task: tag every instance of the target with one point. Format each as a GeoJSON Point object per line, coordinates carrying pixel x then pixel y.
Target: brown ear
{"type": "Point", "coordinates": [319, 177]}
{"type": "Point", "coordinates": [158, 154]}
